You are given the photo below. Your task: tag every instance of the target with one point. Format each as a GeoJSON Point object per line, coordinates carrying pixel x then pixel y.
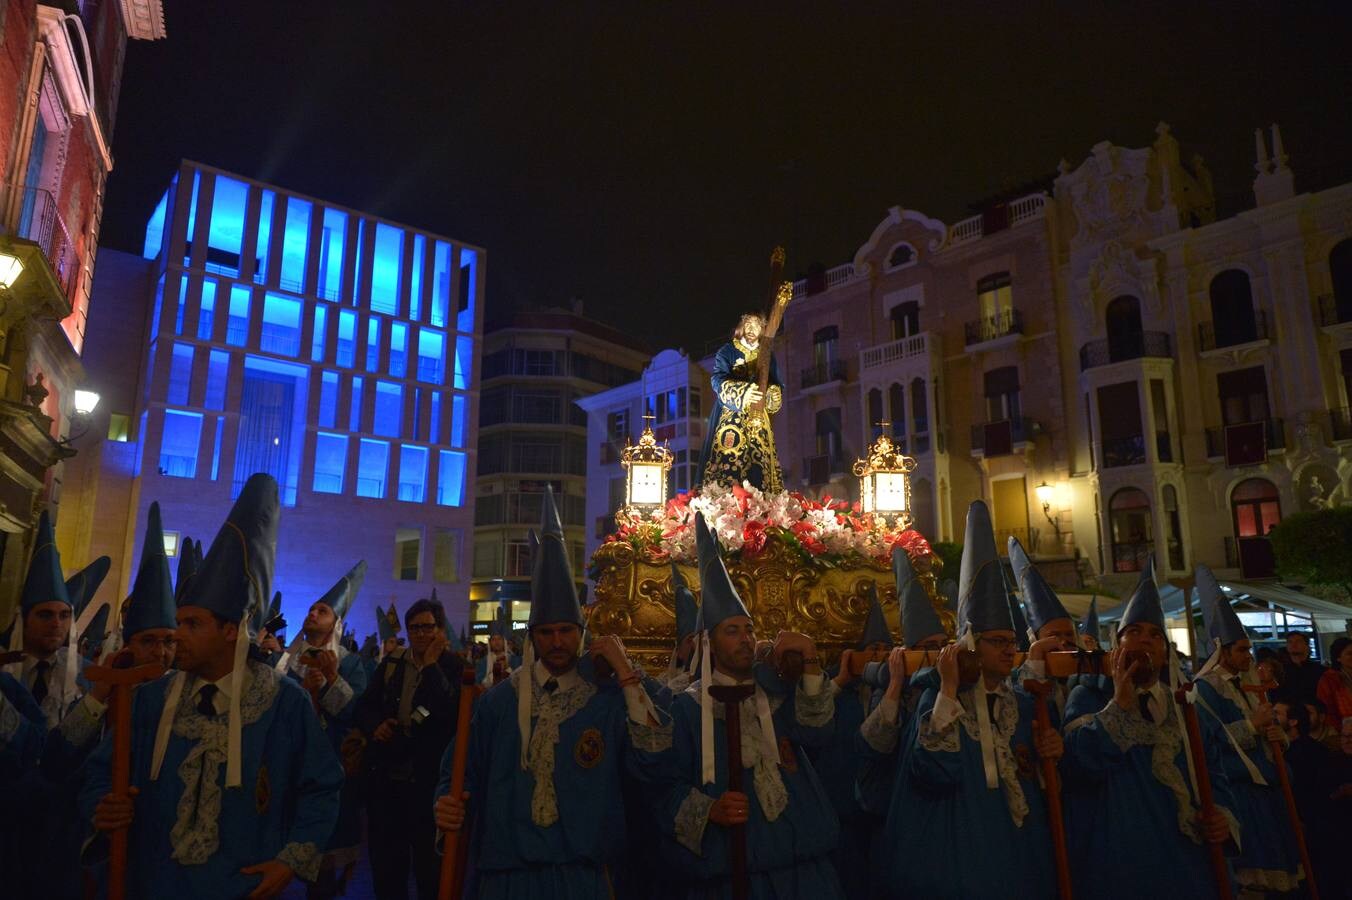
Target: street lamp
{"type": "Point", "coordinates": [885, 482]}
{"type": "Point", "coordinates": [11, 267]}
{"type": "Point", "coordinates": [1045, 495]}
{"type": "Point", "coordinates": [646, 466]}
{"type": "Point", "coordinates": [85, 402]}
{"type": "Point", "coordinates": [81, 414]}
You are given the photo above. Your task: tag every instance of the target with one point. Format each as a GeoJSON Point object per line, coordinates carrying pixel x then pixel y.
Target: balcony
{"type": "Point", "coordinates": [39, 221]}
{"type": "Point", "coordinates": [1135, 345]}
{"type": "Point", "coordinates": [1131, 556]}
{"type": "Point", "coordinates": [1125, 451]}
{"type": "Point", "coordinates": [917, 346]}
{"type": "Point", "coordinates": [1246, 444]}
{"type": "Point", "coordinates": [1334, 311]}
{"type": "Point", "coordinates": [1001, 438]}
{"type": "Point", "coordinates": [1340, 424]}
{"type": "Point", "coordinates": [823, 373]}
{"type": "Point", "coordinates": [998, 218]}
{"type": "Point", "coordinates": [991, 328]}
{"type": "Point", "coordinates": [824, 280]}
{"type": "Point", "coordinates": [1233, 334]}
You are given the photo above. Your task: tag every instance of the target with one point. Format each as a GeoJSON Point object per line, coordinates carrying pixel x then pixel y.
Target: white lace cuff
{"type": "Point", "coordinates": [812, 682]}
{"type": "Point", "coordinates": [1122, 726]}
{"type": "Point", "coordinates": [82, 724]}
{"type": "Point", "coordinates": [650, 738]}
{"type": "Point", "coordinates": [935, 739]}
{"type": "Point", "coordinates": [1243, 732]}
{"type": "Point", "coordinates": [880, 730]}
{"type": "Point", "coordinates": [10, 718]}
{"type": "Point", "coordinates": [303, 859]}
{"type": "Point", "coordinates": [814, 708]}
{"type": "Point", "coordinates": [336, 696]}
{"type": "Point", "coordinates": [639, 705]}
{"type": "Point", "coordinates": [947, 710]}
{"type": "Point", "coordinates": [691, 820]}
{"type": "Point", "coordinates": [1034, 668]}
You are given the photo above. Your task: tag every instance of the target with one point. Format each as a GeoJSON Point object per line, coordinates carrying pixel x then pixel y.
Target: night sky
{"type": "Point", "coordinates": [647, 159]}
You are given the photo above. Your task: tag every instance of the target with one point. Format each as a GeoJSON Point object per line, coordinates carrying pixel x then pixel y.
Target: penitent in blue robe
{"type": "Point", "coordinates": [1130, 810]}
{"type": "Point", "coordinates": [948, 834]}
{"type": "Point", "coordinates": [284, 809]}
{"type": "Point", "coordinates": [837, 763]}
{"type": "Point", "coordinates": [787, 858]}
{"type": "Point", "coordinates": [22, 728]}
{"type": "Point", "coordinates": [1268, 859]}
{"type": "Point", "coordinates": [523, 844]}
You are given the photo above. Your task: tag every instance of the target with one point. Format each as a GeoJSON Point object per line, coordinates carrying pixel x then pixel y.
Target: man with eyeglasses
{"type": "Point", "coordinates": [408, 716]}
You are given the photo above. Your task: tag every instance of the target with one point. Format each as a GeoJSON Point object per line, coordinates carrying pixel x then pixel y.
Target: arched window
{"type": "Point", "coordinates": [896, 409]}
{"type": "Point", "coordinates": [1340, 271]}
{"type": "Point", "coordinates": [1233, 320]}
{"type": "Point", "coordinates": [905, 320]}
{"type": "Point", "coordinates": [1126, 338]}
{"type": "Point", "coordinates": [875, 413]}
{"type": "Point", "coordinates": [1256, 507]}
{"type": "Point", "coordinates": [1132, 531]}
{"type": "Point", "coordinates": [903, 254]}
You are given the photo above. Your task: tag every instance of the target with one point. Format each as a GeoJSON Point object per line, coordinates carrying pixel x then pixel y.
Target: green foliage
{"type": "Point", "coordinates": [951, 554]}
{"type": "Point", "coordinates": [1316, 547]}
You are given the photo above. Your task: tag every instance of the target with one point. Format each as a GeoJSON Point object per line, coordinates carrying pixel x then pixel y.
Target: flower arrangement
{"type": "Point", "coordinates": [825, 532]}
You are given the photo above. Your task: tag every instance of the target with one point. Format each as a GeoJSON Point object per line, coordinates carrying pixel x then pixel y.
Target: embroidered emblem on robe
{"type": "Point", "coordinates": [262, 791]}
{"type": "Point", "coordinates": [590, 749]}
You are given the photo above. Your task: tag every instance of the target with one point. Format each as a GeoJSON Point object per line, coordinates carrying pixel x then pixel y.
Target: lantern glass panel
{"type": "Point", "coordinates": [890, 492]}
{"type": "Point", "coordinates": [646, 484]}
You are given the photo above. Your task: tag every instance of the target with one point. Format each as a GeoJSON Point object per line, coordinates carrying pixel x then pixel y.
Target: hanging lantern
{"type": "Point", "coordinates": [885, 483]}
{"type": "Point", "coordinates": [646, 466]}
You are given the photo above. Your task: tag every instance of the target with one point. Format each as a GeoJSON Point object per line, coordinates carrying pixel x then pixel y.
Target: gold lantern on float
{"type": "Point", "coordinates": [646, 465]}
{"type": "Point", "coordinates": [885, 483]}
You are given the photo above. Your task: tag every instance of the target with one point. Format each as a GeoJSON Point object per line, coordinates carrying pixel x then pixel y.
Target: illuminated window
{"type": "Point", "coordinates": [389, 407]}
{"type": "Point", "coordinates": [418, 430]}
{"type": "Point", "coordinates": [445, 555]}
{"type": "Point", "coordinates": [331, 254]}
{"type": "Point", "coordinates": [451, 478]}
{"type": "Point", "coordinates": [295, 242]}
{"type": "Point", "coordinates": [373, 463]}
{"type": "Point", "coordinates": [434, 421]}
{"type": "Point", "coordinates": [264, 235]}
{"type": "Point", "coordinates": [225, 238]}
{"type": "Point", "coordinates": [373, 344]}
{"type": "Point", "coordinates": [412, 473]}
{"type": "Point", "coordinates": [441, 283]}
{"type": "Point", "coordinates": [192, 217]}
{"type": "Point", "coordinates": [206, 316]}
{"type": "Point", "coordinates": [407, 554]}
{"type": "Point", "coordinates": [182, 305]}
{"type": "Point", "coordinates": [281, 325]}
{"type": "Point", "coordinates": [431, 356]}
{"type": "Point", "coordinates": [469, 271]}
{"type": "Point", "coordinates": [385, 269]}
{"type": "Point", "coordinates": [218, 371]}
{"type": "Point", "coordinates": [180, 374]}
{"type": "Point", "coordinates": [271, 424]}
{"type": "Point", "coordinates": [358, 251]}
{"type": "Point", "coordinates": [354, 417]}
{"type": "Point", "coordinates": [347, 338]}
{"type": "Point", "coordinates": [398, 349]}
{"type": "Point", "coordinates": [157, 310]}
{"type": "Point", "coordinates": [178, 445]}
{"type": "Point", "coordinates": [216, 450]}
{"type": "Point", "coordinates": [416, 279]}
{"type": "Point", "coordinates": [237, 324]}
{"type": "Point", "coordinates": [330, 461]}
{"type": "Point", "coordinates": [155, 227]}
{"type": "Point", "coordinates": [458, 420]}
{"type": "Point", "coordinates": [464, 361]}
{"type": "Point", "coordinates": [119, 428]}
{"type": "Point", "coordinates": [328, 400]}
{"type": "Point", "coordinates": [321, 333]}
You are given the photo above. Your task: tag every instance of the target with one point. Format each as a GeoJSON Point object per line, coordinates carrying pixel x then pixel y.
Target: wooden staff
{"type": "Point", "coordinates": [119, 719]}
{"type": "Point", "coordinates": [1051, 785]}
{"type": "Point", "coordinates": [1214, 851]}
{"type": "Point", "coordinates": [781, 293]}
{"type": "Point", "coordinates": [1284, 778]}
{"type": "Point", "coordinates": [731, 696]}
{"type": "Point", "coordinates": [452, 872]}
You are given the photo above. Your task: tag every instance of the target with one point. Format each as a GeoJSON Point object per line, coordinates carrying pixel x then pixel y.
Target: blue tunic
{"type": "Point", "coordinates": [526, 841]}
{"type": "Point", "coordinates": [284, 809]}
{"type": "Point", "coordinates": [22, 726]}
{"type": "Point", "coordinates": [739, 447]}
{"type": "Point", "coordinates": [1130, 810]}
{"type": "Point", "coordinates": [838, 763]}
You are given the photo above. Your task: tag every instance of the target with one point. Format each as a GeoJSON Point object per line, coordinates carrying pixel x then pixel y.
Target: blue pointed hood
{"type": "Point", "coordinates": [918, 617]}
{"type": "Point", "coordinates": [236, 573]}
{"type": "Point", "coordinates": [686, 609]}
{"type": "Point", "coordinates": [1144, 605]}
{"type": "Point", "coordinates": [84, 584]}
{"type": "Point", "coordinates": [720, 600]}
{"type": "Point", "coordinates": [553, 592]}
{"type": "Point", "coordinates": [982, 601]}
{"type": "Point", "coordinates": [875, 625]}
{"type": "Point", "coordinates": [1018, 621]}
{"type": "Point", "coordinates": [96, 630]}
{"type": "Point", "coordinates": [189, 561]}
{"type": "Point", "coordinates": [151, 603]}
{"type": "Point", "coordinates": [339, 597]}
{"type": "Point", "coordinates": [1222, 622]}
{"type": "Point", "coordinates": [44, 583]}
{"type": "Point", "coordinates": [1090, 625]}
{"type": "Point", "coordinates": [387, 622]}
{"type": "Point", "coordinates": [1039, 600]}
{"type": "Point", "coordinates": [949, 590]}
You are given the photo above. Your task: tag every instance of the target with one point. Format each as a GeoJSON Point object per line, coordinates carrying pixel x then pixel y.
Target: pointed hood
{"type": "Point", "coordinates": [1090, 625]}
{"type": "Point", "coordinates": [151, 603]}
{"type": "Point", "coordinates": [44, 582]}
{"type": "Point", "coordinates": [982, 601]}
{"type": "Point", "coordinates": [1222, 622]}
{"type": "Point", "coordinates": [949, 590]}
{"type": "Point", "coordinates": [1022, 633]}
{"type": "Point", "coordinates": [387, 622]}
{"type": "Point", "coordinates": [918, 617]}
{"type": "Point", "coordinates": [236, 573]}
{"type": "Point", "coordinates": [875, 625]}
{"type": "Point", "coordinates": [97, 629]}
{"type": "Point", "coordinates": [552, 588]}
{"type": "Point", "coordinates": [189, 559]}
{"type": "Point", "coordinates": [720, 600]}
{"type": "Point", "coordinates": [370, 647]}
{"type": "Point", "coordinates": [1144, 605]}
{"type": "Point", "coordinates": [686, 609]}
{"type": "Point", "coordinates": [339, 597]}
{"type": "Point", "coordinates": [84, 584]}
{"type": "Point", "coordinates": [1039, 600]}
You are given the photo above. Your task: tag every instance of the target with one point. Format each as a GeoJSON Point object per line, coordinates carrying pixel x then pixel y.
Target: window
{"type": "Point", "coordinates": [155, 227]}
{"type": "Point", "coordinates": [372, 468]}
{"type": "Point", "coordinates": [1175, 527]}
{"type": "Point", "coordinates": [216, 448]}
{"type": "Point", "coordinates": [535, 407]}
{"type": "Point", "coordinates": [902, 255]}
{"type": "Point", "coordinates": [389, 408]}
{"type": "Point", "coordinates": [398, 349]}
{"type": "Point", "coordinates": [359, 251]}
{"type": "Point", "coordinates": [464, 361]}
{"type": "Point", "coordinates": [373, 345]}
{"type": "Point", "coordinates": [875, 412]}
{"type": "Point", "coordinates": [206, 314]}
{"type": "Point", "coordinates": [170, 543]}
{"type": "Point", "coordinates": [412, 473]}
{"type": "Point", "coordinates": [1120, 424]}
{"type": "Point", "coordinates": [226, 234]}
{"type": "Point", "coordinates": [158, 310]}
{"type": "Point", "coordinates": [469, 272]}
{"type": "Point", "coordinates": [441, 284]}
{"type": "Point", "coordinates": [1002, 394]}
{"type": "Point", "coordinates": [518, 560]}
{"type": "Point", "coordinates": [178, 445]}
{"type": "Point", "coordinates": [434, 420]}
{"type": "Point", "coordinates": [271, 424]}
{"type": "Point", "coordinates": [1233, 320]}
{"type": "Point", "coordinates": [328, 400]}
{"type": "Point", "coordinates": [182, 305]}
{"type": "Point", "coordinates": [995, 296]}
{"type": "Point", "coordinates": [295, 244]}
{"type": "Point", "coordinates": [347, 338]}
{"type": "Point", "coordinates": [331, 242]}
{"type": "Point", "coordinates": [265, 212]}
{"type": "Point", "coordinates": [1126, 336]}
{"type": "Point", "coordinates": [218, 372]}
{"type": "Point", "coordinates": [828, 435]}
{"type": "Point", "coordinates": [431, 356]}
{"type": "Point", "coordinates": [180, 374]}
{"type": "Point", "coordinates": [237, 324]}
{"type": "Point", "coordinates": [281, 325]}
{"type": "Point", "coordinates": [416, 277]}
{"type": "Point", "coordinates": [407, 554]}
{"type": "Point", "coordinates": [458, 420]}
{"type": "Point", "coordinates": [386, 268]}
{"type": "Point", "coordinates": [896, 409]}
{"type": "Point", "coordinates": [451, 478]}
{"type": "Point", "coordinates": [354, 413]}
{"type": "Point", "coordinates": [119, 428]}
{"type": "Point", "coordinates": [1257, 508]}
{"type": "Point", "coordinates": [617, 425]}
{"type": "Point", "coordinates": [321, 333]}
{"type": "Point", "coordinates": [1132, 531]}
{"type": "Point", "coordinates": [905, 320]}
{"type": "Point", "coordinates": [445, 555]}
{"type": "Point", "coordinates": [330, 462]}
{"type": "Point", "coordinates": [1243, 395]}
{"type": "Point", "coordinates": [824, 342]}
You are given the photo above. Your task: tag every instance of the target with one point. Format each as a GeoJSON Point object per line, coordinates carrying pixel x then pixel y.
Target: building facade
{"type": "Point", "coordinates": [265, 331]}
{"type": "Point", "coordinates": [533, 433]}
{"type": "Point", "coordinates": [60, 74]}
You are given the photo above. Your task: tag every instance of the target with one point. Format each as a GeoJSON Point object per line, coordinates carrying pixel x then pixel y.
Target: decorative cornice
{"type": "Point", "coordinates": [76, 86]}
{"type": "Point", "coordinates": [143, 19]}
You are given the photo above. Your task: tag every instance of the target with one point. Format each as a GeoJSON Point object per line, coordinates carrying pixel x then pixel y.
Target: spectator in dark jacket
{"type": "Point", "coordinates": [1300, 673]}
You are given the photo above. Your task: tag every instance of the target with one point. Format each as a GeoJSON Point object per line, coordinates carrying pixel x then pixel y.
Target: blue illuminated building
{"type": "Point", "coordinates": [287, 335]}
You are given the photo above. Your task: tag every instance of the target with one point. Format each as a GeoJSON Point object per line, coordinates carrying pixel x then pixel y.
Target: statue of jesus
{"type": "Point", "coordinates": [740, 443]}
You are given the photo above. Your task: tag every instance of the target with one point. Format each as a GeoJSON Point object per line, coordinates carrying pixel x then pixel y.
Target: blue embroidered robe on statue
{"type": "Point", "coordinates": [738, 445]}
{"type": "Point", "coordinates": [1130, 811]}
{"type": "Point", "coordinates": [284, 809]}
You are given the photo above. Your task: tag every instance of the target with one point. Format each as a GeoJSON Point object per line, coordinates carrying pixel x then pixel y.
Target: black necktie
{"type": "Point", "coordinates": [40, 680]}
{"type": "Point", "coordinates": [1144, 701]}
{"type": "Point", "coordinates": [551, 686]}
{"type": "Point", "coordinates": [206, 700]}
{"type": "Point", "coordinates": [990, 704]}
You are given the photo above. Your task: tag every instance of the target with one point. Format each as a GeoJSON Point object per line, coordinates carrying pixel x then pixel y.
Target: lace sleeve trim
{"type": "Point", "coordinates": [303, 859]}
{"type": "Point", "coordinates": [691, 820]}
{"type": "Point", "coordinates": [814, 710]}
{"type": "Point", "coordinates": [650, 738]}
{"type": "Point", "coordinates": [880, 731]}
{"type": "Point", "coordinates": [337, 697]}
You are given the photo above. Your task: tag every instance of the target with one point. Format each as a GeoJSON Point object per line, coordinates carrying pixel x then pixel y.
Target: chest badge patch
{"type": "Point", "coordinates": [590, 749]}
{"type": "Point", "coordinates": [262, 791]}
